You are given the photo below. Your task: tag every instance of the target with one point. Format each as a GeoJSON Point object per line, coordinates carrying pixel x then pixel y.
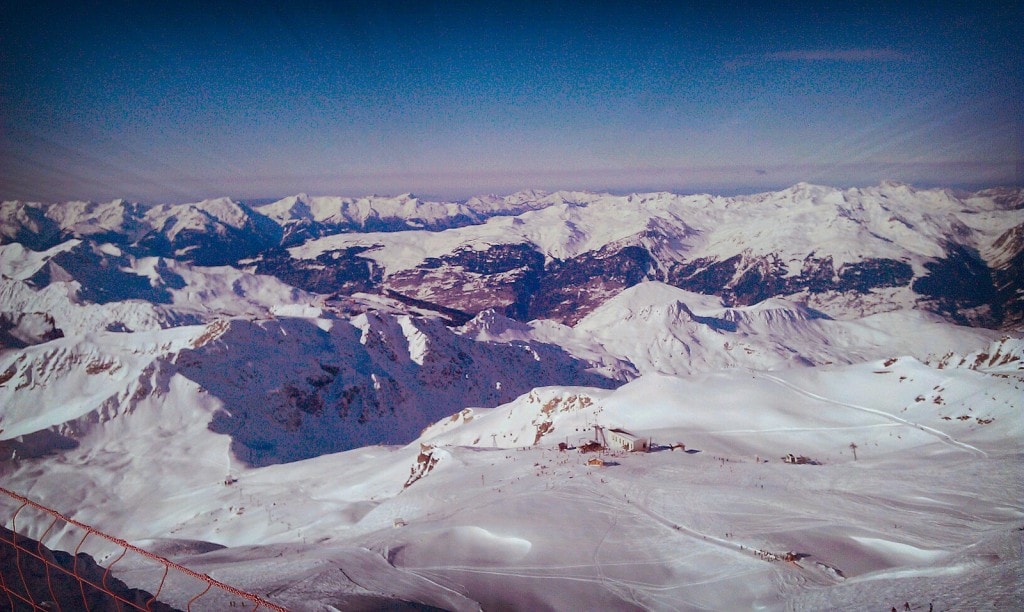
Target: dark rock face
{"type": "Point", "coordinates": [341, 272]}
{"type": "Point", "coordinates": [742, 280]}
{"type": "Point", "coordinates": [762, 279]}
{"type": "Point", "coordinates": [514, 280]}
{"type": "Point", "coordinates": [961, 287]}
{"type": "Point", "coordinates": [503, 276]}
{"type": "Point", "coordinates": [818, 274]}
{"type": "Point", "coordinates": [496, 259]}
{"type": "Point", "coordinates": [570, 289]}
{"type": "Point", "coordinates": [298, 231]}
{"type": "Point", "coordinates": [704, 275]}
{"type": "Point", "coordinates": [1008, 273]}
{"type": "Point", "coordinates": [863, 276]}
{"type": "Point", "coordinates": [454, 316]}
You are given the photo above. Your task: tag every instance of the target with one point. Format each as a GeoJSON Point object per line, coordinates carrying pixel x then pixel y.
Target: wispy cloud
{"type": "Point", "coordinates": [839, 55]}
{"type": "Point", "coordinates": [820, 55]}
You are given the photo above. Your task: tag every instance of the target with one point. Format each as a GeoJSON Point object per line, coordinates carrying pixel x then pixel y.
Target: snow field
{"type": "Point", "coordinates": [524, 526]}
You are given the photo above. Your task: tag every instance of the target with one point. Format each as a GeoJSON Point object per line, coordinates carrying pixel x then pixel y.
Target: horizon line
{"type": "Point", "coordinates": [426, 196]}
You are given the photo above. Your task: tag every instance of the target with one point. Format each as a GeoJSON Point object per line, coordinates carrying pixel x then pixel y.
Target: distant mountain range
{"type": "Point", "coordinates": [534, 255]}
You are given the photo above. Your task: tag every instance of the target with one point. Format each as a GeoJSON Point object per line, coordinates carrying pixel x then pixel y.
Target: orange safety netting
{"type": "Point", "coordinates": [31, 551]}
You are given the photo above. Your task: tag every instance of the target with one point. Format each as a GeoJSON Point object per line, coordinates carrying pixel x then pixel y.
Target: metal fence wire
{"type": "Point", "coordinates": [34, 577]}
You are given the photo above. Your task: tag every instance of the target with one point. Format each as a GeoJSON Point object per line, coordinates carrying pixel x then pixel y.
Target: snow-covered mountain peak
{"type": "Point", "coordinates": [811, 193]}
{"type": "Point", "coordinates": [202, 215]}
{"type": "Point", "coordinates": [19, 263]}
{"type": "Point", "coordinates": [998, 198]}
{"type": "Point", "coordinates": [525, 195]}
{"type": "Point", "coordinates": [287, 208]}
{"type": "Point", "coordinates": [27, 223]}
{"type": "Point", "coordinates": [651, 301]}
{"type": "Point", "coordinates": [489, 324]}
{"type": "Point", "coordinates": [860, 250]}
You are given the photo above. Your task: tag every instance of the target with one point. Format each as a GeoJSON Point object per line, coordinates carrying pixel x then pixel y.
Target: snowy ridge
{"type": "Point", "coordinates": [706, 407]}
{"type": "Point", "coordinates": [79, 375]}
{"type": "Point", "coordinates": [1003, 355]}
{"type": "Point", "coordinates": [656, 328]}
{"type": "Point", "coordinates": [887, 221]}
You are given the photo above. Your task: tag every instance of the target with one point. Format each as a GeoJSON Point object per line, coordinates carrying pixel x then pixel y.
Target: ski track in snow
{"type": "Point", "coordinates": [940, 435]}
{"type": "Point", "coordinates": [746, 552]}
{"type": "Point", "coordinates": [638, 592]}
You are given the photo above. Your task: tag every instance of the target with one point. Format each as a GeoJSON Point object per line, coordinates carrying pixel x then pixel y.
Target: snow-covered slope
{"type": "Point", "coordinates": [484, 511]}
{"type": "Point", "coordinates": [745, 411]}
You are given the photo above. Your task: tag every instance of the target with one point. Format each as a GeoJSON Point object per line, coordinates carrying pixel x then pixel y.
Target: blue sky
{"type": "Point", "coordinates": [177, 101]}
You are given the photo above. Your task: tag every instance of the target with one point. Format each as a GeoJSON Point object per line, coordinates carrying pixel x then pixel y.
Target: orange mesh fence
{"type": "Point", "coordinates": [33, 577]}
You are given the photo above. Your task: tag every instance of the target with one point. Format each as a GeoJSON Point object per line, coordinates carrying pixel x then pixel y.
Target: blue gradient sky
{"type": "Point", "coordinates": [177, 101]}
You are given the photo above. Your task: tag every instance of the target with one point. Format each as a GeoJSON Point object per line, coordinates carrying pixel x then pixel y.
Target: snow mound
{"type": "Point", "coordinates": [476, 546]}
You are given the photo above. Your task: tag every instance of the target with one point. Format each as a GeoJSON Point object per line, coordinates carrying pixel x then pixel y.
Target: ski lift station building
{"type": "Point", "coordinates": [622, 439]}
